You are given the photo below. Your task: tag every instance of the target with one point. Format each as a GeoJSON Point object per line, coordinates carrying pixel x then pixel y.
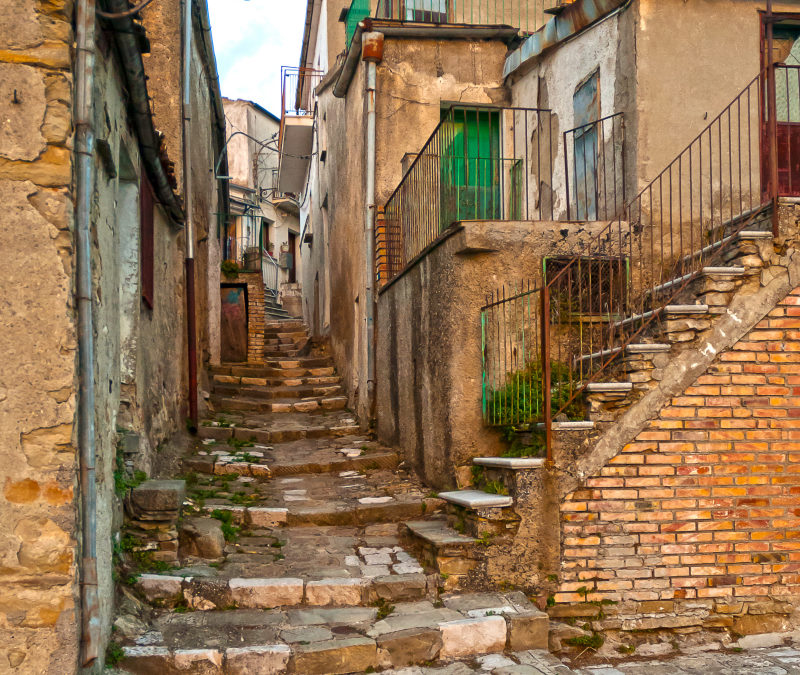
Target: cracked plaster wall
{"type": "Point", "coordinates": [139, 354]}
{"type": "Point", "coordinates": [38, 616]}
{"type": "Point", "coordinates": [413, 80]}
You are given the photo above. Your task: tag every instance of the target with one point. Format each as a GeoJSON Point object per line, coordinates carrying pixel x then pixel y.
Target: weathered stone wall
{"type": "Point", "coordinates": [164, 68]}
{"type": "Point", "coordinates": [607, 48]}
{"type": "Point", "coordinates": [429, 343]}
{"type": "Point", "coordinates": [38, 591]}
{"type": "Point", "coordinates": [414, 79]}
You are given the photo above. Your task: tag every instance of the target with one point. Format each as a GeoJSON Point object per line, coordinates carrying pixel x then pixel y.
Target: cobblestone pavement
{"type": "Point", "coordinates": [771, 661]}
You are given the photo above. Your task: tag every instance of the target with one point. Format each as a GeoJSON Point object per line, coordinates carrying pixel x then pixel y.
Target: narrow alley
{"type": "Point", "coordinates": [421, 337]}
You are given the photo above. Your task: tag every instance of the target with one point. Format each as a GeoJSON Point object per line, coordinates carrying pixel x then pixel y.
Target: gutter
{"type": "Point", "coordinates": [210, 61]}
{"type": "Point", "coordinates": [130, 56]}
{"type": "Point", "coordinates": [372, 53]}
{"type": "Point", "coordinates": [84, 149]}
{"type": "Point", "coordinates": [191, 316]}
{"type": "Point", "coordinates": [399, 29]}
{"type": "Point", "coordinates": [573, 20]}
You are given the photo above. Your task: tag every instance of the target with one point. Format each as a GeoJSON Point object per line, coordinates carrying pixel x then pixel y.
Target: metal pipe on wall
{"type": "Point", "coordinates": [84, 148]}
{"type": "Point", "coordinates": [372, 53]}
{"type": "Point", "coordinates": [191, 318]}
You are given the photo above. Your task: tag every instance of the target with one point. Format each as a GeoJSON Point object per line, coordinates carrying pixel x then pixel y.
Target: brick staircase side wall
{"type": "Point", "coordinates": [256, 316]}
{"type": "Point", "coordinates": [700, 514]}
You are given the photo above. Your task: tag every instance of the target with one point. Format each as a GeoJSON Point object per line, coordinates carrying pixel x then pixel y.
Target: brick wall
{"type": "Point", "coordinates": [705, 503]}
{"type": "Point", "coordinates": [255, 315]}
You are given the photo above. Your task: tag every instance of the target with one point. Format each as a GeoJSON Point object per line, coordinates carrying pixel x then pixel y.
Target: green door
{"type": "Point", "coordinates": [470, 166]}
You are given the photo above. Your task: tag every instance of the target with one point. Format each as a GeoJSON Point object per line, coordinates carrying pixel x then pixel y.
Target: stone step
{"type": "Point", "coordinates": [308, 362]}
{"type": "Point", "coordinates": [476, 499]}
{"type": "Point", "coordinates": [281, 427]}
{"type": "Point", "coordinates": [262, 375]}
{"type": "Point", "coordinates": [214, 593]}
{"type": "Point", "coordinates": [285, 405]}
{"type": "Point", "coordinates": [285, 336]}
{"type": "Point", "coordinates": [512, 463]}
{"type": "Point", "coordinates": [609, 387]}
{"type": "Point", "coordinates": [439, 534]}
{"type": "Point", "coordinates": [640, 348]}
{"type": "Point", "coordinates": [281, 352]}
{"type": "Point", "coordinates": [339, 640]}
{"type": "Point", "coordinates": [664, 311]}
{"type": "Point", "coordinates": [285, 326]}
{"type": "Point", "coordinates": [281, 390]}
{"type": "Point", "coordinates": [333, 463]}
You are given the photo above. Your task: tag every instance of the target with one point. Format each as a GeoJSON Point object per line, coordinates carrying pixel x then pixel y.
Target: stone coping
{"type": "Point", "coordinates": [476, 499]}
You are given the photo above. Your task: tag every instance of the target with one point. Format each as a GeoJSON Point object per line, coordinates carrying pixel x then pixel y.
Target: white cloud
{"type": "Point", "coordinates": [252, 40]}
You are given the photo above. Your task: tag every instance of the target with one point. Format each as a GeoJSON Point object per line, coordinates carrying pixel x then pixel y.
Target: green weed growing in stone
{"type": "Point", "coordinates": [384, 608]}
{"type": "Point", "coordinates": [239, 443]}
{"type": "Point", "coordinates": [485, 539]}
{"type": "Point", "coordinates": [114, 654]}
{"type": "Point", "coordinates": [593, 641]}
{"type": "Point", "coordinates": [495, 487]}
{"type": "Point", "coordinates": [521, 399]}
{"type": "Point", "coordinates": [229, 530]}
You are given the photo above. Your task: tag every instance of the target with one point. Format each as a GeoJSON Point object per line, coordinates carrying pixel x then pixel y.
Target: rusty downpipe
{"type": "Point", "coordinates": [191, 317]}
{"type": "Point", "coordinates": [84, 149]}
{"type": "Point", "coordinates": [772, 111]}
{"type": "Point", "coordinates": [372, 54]}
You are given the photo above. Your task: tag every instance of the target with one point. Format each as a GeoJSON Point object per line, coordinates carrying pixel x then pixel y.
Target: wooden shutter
{"type": "Point", "coordinates": [146, 243]}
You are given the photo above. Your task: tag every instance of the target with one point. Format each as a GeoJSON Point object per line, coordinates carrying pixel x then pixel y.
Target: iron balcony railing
{"type": "Point", "coordinates": [297, 92]}
{"type": "Point", "coordinates": [545, 341]}
{"type": "Point", "coordinates": [527, 16]}
{"type": "Point", "coordinates": [251, 257]}
{"type": "Point", "coordinates": [480, 163]}
{"type": "Point", "coordinates": [490, 163]}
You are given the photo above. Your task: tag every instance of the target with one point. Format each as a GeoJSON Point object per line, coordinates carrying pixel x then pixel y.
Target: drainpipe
{"type": "Point", "coordinates": [372, 53]}
{"type": "Point", "coordinates": [84, 149]}
{"type": "Point", "coordinates": [191, 318]}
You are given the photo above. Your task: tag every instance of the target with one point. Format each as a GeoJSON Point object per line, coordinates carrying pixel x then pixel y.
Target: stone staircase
{"type": "Point", "coordinates": [274, 310]}
{"type": "Point", "coordinates": [293, 557]}
{"type": "Point", "coordinates": [483, 519]}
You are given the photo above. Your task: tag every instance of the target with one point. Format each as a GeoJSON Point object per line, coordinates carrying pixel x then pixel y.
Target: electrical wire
{"type": "Point", "coordinates": [124, 15]}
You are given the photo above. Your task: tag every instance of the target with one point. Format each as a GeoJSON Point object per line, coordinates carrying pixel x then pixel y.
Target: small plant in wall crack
{"type": "Point", "coordinates": [384, 608]}
{"type": "Point", "coordinates": [495, 487]}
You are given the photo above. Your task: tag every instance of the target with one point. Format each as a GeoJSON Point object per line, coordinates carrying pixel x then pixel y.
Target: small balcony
{"type": "Point", "coordinates": [527, 16]}
{"type": "Point", "coordinates": [297, 126]}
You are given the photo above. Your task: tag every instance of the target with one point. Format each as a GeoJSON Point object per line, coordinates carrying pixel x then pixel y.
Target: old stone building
{"type": "Point", "coordinates": [568, 292]}
{"type": "Point", "coordinates": [99, 366]}
{"type": "Point", "coordinates": [265, 231]}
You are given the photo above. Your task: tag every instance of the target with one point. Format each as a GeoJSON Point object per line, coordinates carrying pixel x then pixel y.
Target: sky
{"type": "Point", "coordinates": [252, 40]}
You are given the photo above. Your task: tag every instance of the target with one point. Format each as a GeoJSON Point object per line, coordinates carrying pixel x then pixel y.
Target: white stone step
{"type": "Point", "coordinates": [516, 463]}
{"type": "Point", "coordinates": [646, 348]}
{"type": "Point", "coordinates": [437, 532]}
{"type": "Point", "coordinates": [724, 271]}
{"type": "Point", "coordinates": [754, 234]}
{"type": "Point", "coordinates": [643, 348]}
{"type": "Point", "coordinates": [476, 499]}
{"type": "Point", "coordinates": [686, 309]}
{"type": "Point", "coordinates": [609, 387]}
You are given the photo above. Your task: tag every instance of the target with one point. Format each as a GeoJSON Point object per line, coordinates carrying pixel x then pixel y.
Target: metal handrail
{"type": "Point", "coordinates": [583, 317]}
{"type": "Point", "coordinates": [269, 271]}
